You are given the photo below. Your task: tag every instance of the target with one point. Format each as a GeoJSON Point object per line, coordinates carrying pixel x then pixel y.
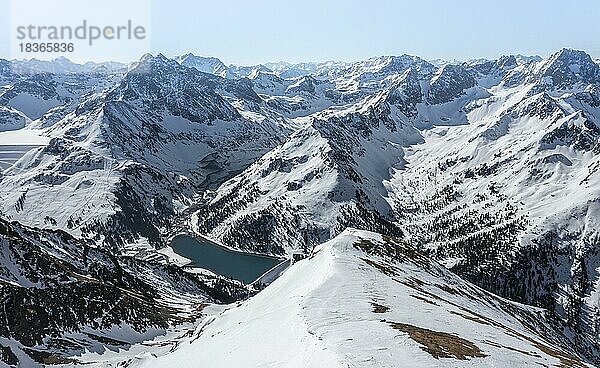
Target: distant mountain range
{"type": "Point", "coordinates": [448, 211]}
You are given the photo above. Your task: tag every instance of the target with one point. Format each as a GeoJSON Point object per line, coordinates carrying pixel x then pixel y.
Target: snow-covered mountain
{"type": "Point", "coordinates": [330, 173]}
{"type": "Point", "coordinates": [367, 301]}
{"type": "Point", "coordinates": [295, 97]}
{"type": "Point", "coordinates": [129, 156]}
{"type": "Point", "coordinates": [62, 65]}
{"type": "Point", "coordinates": [321, 180]}
{"type": "Point", "coordinates": [210, 65]}
{"type": "Point", "coordinates": [566, 69]}
{"type": "Point", "coordinates": [508, 199]}
{"type": "Point", "coordinates": [484, 171]}
{"type": "Point", "coordinates": [490, 168]}
{"type": "Point", "coordinates": [47, 98]}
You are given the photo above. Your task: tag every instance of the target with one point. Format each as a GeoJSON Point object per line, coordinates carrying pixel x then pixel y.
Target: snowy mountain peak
{"type": "Point", "coordinates": [506, 62]}
{"type": "Point", "coordinates": [528, 59]}
{"type": "Point", "coordinates": [150, 62]}
{"type": "Point", "coordinates": [185, 92]}
{"type": "Point", "coordinates": [259, 74]}
{"type": "Point", "coordinates": [306, 84]}
{"type": "Point", "coordinates": [210, 65]}
{"type": "Point", "coordinates": [405, 92]}
{"type": "Point", "coordinates": [399, 64]}
{"type": "Point", "coordinates": [449, 82]}
{"type": "Point", "coordinates": [566, 68]}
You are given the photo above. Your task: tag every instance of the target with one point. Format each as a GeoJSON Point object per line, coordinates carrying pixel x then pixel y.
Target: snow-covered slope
{"type": "Point", "coordinates": [122, 161]}
{"type": "Point", "coordinates": [63, 296]}
{"type": "Point", "coordinates": [319, 181]}
{"type": "Point", "coordinates": [330, 173]}
{"type": "Point", "coordinates": [509, 199]}
{"type": "Point", "coordinates": [363, 300]}
{"type": "Point", "coordinates": [490, 169]}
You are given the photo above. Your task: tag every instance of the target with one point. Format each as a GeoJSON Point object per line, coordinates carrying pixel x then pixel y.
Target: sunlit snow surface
{"type": "Point", "coordinates": [347, 306]}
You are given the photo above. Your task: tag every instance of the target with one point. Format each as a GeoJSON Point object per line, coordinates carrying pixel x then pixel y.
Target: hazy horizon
{"type": "Point", "coordinates": [294, 62]}
{"type": "Point", "coordinates": [249, 33]}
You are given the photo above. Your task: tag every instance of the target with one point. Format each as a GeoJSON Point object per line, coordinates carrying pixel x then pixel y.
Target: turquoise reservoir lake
{"type": "Point", "coordinates": [236, 265]}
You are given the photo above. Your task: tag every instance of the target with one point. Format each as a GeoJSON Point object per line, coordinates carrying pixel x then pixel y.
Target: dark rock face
{"type": "Point", "coordinates": [51, 283]}
{"type": "Point", "coordinates": [163, 84]}
{"type": "Point", "coordinates": [306, 85]}
{"type": "Point", "coordinates": [407, 93]}
{"type": "Point", "coordinates": [8, 356]}
{"type": "Point", "coordinates": [579, 132]}
{"type": "Point", "coordinates": [5, 69]}
{"type": "Point", "coordinates": [449, 83]}
{"type": "Point", "coordinates": [42, 85]}
{"type": "Point", "coordinates": [567, 68]}
{"type": "Point", "coordinates": [11, 119]}
{"type": "Point", "coordinates": [400, 64]}
{"type": "Point", "coordinates": [240, 88]}
{"type": "Point", "coordinates": [590, 96]}
{"type": "Point", "coordinates": [506, 62]}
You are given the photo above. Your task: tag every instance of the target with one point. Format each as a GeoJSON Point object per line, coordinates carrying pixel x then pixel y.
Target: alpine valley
{"type": "Point", "coordinates": [425, 214]}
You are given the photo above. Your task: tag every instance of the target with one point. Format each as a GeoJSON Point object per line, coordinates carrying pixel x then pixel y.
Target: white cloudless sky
{"type": "Point", "coordinates": [255, 31]}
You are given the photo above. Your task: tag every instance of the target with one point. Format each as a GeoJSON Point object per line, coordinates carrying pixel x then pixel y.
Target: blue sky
{"type": "Point", "coordinates": [254, 31]}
